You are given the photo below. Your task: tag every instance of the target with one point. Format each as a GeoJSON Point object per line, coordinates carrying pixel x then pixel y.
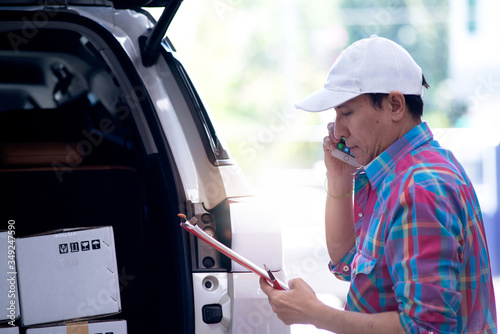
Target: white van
{"type": "Point", "coordinates": [100, 125]}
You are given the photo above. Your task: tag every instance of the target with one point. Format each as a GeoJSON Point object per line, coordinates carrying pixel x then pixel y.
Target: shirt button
{"type": "Point", "coordinates": [346, 268]}
{"type": "Point", "coordinates": [360, 214]}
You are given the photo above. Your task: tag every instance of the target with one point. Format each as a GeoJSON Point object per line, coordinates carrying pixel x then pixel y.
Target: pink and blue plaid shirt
{"type": "Point", "coordinates": [420, 243]}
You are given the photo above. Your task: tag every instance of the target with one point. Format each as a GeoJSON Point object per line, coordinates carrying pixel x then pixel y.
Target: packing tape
{"type": "Point", "coordinates": [77, 328]}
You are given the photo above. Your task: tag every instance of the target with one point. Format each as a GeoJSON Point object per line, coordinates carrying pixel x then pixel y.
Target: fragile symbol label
{"type": "Point", "coordinates": [85, 245]}
{"type": "Point", "coordinates": [74, 247]}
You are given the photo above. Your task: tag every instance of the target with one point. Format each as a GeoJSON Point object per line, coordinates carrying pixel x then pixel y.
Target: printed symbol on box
{"type": "Point", "coordinates": [74, 247]}
{"type": "Point", "coordinates": [85, 245]}
{"type": "Point", "coordinates": [96, 244]}
{"type": "Point", "coordinates": [63, 248]}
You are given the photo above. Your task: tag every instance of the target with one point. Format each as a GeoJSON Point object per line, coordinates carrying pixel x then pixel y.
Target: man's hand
{"type": "Point", "coordinates": [296, 306]}
{"type": "Point", "coordinates": [335, 167]}
{"type": "Point", "coordinates": [300, 305]}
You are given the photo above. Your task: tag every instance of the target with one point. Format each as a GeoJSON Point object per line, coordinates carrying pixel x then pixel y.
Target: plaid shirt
{"type": "Point", "coordinates": [420, 243]}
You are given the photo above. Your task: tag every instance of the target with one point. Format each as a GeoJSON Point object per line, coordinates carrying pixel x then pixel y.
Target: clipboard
{"type": "Point", "coordinates": [198, 232]}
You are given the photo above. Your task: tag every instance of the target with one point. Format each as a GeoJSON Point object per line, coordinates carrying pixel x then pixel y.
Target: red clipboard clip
{"type": "Point", "coordinates": [191, 227]}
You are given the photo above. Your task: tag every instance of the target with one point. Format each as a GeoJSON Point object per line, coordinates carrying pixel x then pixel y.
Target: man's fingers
{"type": "Point", "coordinates": [328, 144]}
{"type": "Point", "coordinates": [265, 286]}
{"type": "Point", "coordinates": [295, 282]}
{"type": "Point", "coordinates": [331, 131]}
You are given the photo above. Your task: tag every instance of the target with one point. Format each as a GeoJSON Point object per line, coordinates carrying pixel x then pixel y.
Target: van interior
{"type": "Point", "coordinates": [72, 156]}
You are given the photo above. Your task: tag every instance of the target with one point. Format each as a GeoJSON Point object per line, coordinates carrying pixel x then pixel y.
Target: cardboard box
{"type": "Point", "coordinates": [9, 330]}
{"type": "Point", "coordinates": [93, 327]}
{"type": "Point", "coordinates": [9, 301]}
{"type": "Point", "coordinates": [66, 275]}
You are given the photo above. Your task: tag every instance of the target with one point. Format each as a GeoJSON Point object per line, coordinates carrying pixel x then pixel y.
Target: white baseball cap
{"type": "Point", "coordinates": [370, 65]}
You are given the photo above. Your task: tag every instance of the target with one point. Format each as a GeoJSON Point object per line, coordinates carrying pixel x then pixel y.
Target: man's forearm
{"type": "Point", "coordinates": [340, 321]}
{"type": "Point", "coordinates": [339, 221]}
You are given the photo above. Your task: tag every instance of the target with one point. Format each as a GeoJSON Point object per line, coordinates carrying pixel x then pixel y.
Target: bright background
{"type": "Point", "coordinates": [250, 60]}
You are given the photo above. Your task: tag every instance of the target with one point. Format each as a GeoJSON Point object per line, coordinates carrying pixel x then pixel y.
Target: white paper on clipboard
{"type": "Point", "coordinates": [197, 231]}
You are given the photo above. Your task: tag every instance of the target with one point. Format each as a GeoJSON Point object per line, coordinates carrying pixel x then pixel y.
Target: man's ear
{"type": "Point", "coordinates": [398, 105]}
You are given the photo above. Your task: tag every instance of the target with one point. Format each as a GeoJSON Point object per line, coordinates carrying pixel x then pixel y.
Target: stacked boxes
{"type": "Point", "coordinates": [67, 276]}
{"type": "Point", "coordinates": [95, 327]}
{"type": "Point", "coordinates": [9, 302]}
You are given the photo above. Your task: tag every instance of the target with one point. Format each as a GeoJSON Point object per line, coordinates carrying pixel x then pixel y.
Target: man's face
{"type": "Point", "coordinates": [366, 129]}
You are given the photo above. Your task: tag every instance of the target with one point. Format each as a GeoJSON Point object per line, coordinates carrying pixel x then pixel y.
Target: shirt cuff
{"type": "Point", "coordinates": [343, 269]}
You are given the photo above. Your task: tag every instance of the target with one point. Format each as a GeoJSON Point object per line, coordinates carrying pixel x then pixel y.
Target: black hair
{"type": "Point", "coordinates": [414, 103]}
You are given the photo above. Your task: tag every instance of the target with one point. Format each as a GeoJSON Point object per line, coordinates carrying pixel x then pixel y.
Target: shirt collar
{"type": "Point", "coordinates": [377, 169]}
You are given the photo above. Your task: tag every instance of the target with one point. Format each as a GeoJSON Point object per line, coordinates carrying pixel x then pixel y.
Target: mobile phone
{"type": "Point", "coordinates": [344, 153]}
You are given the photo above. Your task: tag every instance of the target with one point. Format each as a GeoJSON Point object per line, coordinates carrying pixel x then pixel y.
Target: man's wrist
{"type": "Point", "coordinates": [339, 188]}
{"type": "Point", "coordinates": [344, 195]}
{"type": "Point", "coordinates": [324, 317]}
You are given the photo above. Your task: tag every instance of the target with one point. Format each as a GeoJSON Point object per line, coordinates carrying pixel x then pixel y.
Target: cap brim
{"type": "Point", "coordinates": [324, 99]}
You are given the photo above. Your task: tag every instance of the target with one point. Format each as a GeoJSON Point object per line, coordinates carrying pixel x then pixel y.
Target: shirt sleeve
{"type": "Point", "coordinates": [343, 269]}
{"type": "Point", "coordinates": [424, 252]}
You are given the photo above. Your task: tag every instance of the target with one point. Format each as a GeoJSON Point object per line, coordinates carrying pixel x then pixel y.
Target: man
{"type": "Point", "coordinates": [410, 236]}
